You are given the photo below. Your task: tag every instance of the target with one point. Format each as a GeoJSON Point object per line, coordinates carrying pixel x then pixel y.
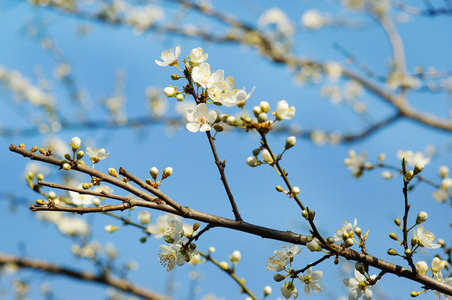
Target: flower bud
{"type": "Point", "coordinates": [279, 188]}
{"type": "Point", "coordinates": [196, 226]}
{"type": "Point", "coordinates": [167, 172]}
{"type": "Point", "coordinates": [169, 239]}
{"type": "Point", "coordinates": [421, 217]}
{"type": "Point", "coordinates": [154, 172]}
{"type": "Point", "coordinates": [358, 232]}
{"type": "Point", "coordinates": [40, 176]}
{"type": "Point", "coordinates": [267, 290]}
{"type": "Point", "coordinates": [22, 146]}
{"type": "Point", "coordinates": [393, 236]}
{"type": "Point", "coordinates": [211, 249]}
{"type": "Point", "coordinates": [262, 117]}
{"type": "Point", "coordinates": [311, 214]}
{"type": "Point", "coordinates": [408, 252]}
{"type": "Point", "coordinates": [170, 91]}
{"type": "Point", "coordinates": [360, 267]}
{"type": "Point", "coordinates": [144, 217]}
{"type": "Point", "coordinates": [414, 242]}
{"type": "Point", "coordinates": [75, 143]}
{"type": "Point", "coordinates": [442, 243]}
{"type": "Point", "coordinates": [231, 120]}
{"type": "Point", "coordinates": [252, 161]}
{"type": "Point", "coordinates": [295, 190]}
{"type": "Point", "coordinates": [224, 265]}
{"type": "Point", "coordinates": [267, 157]}
{"type": "Point", "coordinates": [80, 155]}
{"type": "Point", "coordinates": [313, 246]}
{"type": "Point", "coordinates": [415, 294]}
{"type": "Point", "coordinates": [304, 213]}
{"type": "Point", "coordinates": [443, 171]}
{"type": "Point", "coordinates": [309, 239]}
{"type": "Point", "coordinates": [386, 175]}
{"type": "Point", "coordinates": [330, 240]}
{"type": "Point", "coordinates": [348, 243]}
{"type": "Point", "coordinates": [180, 97]}
{"type": "Point", "coordinates": [256, 111]}
{"type": "Point", "coordinates": [218, 128]}
{"type": "Point", "coordinates": [278, 277]}
{"type": "Point", "coordinates": [66, 166]}
{"type": "Point", "coordinates": [34, 149]}
{"type": "Point", "coordinates": [68, 156]}
{"type": "Point", "coordinates": [418, 168]}
{"type": "Point", "coordinates": [112, 172]}
{"type": "Point", "coordinates": [381, 157]}
{"type": "Point", "coordinates": [86, 185]}
{"type": "Point", "coordinates": [235, 257]}
{"type": "Point", "coordinates": [290, 142]}
{"type": "Point", "coordinates": [422, 267]}
{"type": "Point", "coordinates": [409, 175]}
{"type": "Point", "coordinates": [110, 228]}
{"type": "Point", "coordinates": [392, 252]}
{"type": "Point", "coordinates": [175, 77]}
{"type": "Point", "coordinates": [40, 202]}
{"type": "Point", "coordinates": [397, 222]}
{"type": "Point", "coordinates": [96, 201]}
{"type": "Point", "coordinates": [265, 107]}
{"type": "Point", "coordinates": [143, 239]}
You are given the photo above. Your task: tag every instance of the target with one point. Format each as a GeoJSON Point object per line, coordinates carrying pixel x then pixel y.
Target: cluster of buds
{"type": "Point", "coordinates": [167, 172]}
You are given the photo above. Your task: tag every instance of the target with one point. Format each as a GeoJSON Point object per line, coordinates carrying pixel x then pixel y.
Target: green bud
{"type": "Point", "coordinates": [392, 252]}
{"type": "Point", "coordinates": [304, 214]}
{"type": "Point", "coordinates": [397, 222]}
{"type": "Point", "coordinates": [22, 146]}
{"type": "Point", "coordinates": [330, 240]}
{"type": "Point", "coordinates": [393, 236]}
{"type": "Point", "coordinates": [256, 152]}
{"type": "Point", "coordinates": [256, 111]}
{"type": "Point", "coordinates": [80, 155]}
{"type": "Point", "coordinates": [308, 238]}
{"type": "Point", "coordinates": [348, 243]}
{"type": "Point", "coordinates": [148, 181]}
{"type": "Point", "coordinates": [279, 188]}
{"type": "Point", "coordinates": [34, 149]}
{"type": "Point", "coordinates": [414, 242]}
{"type": "Point", "coordinates": [218, 128]}
{"type": "Point", "coordinates": [358, 231]}
{"type": "Point", "coordinates": [86, 185]}
{"type": "Point", "coordinates": [192, 246]}
{"type": "Point", "coordinates": [418, 168]}
{"type": "Point", "coordinates": [196, 226]}
{"type": "Point", "coordinates": [408, 252]}
{"type": "Point", "coordinates": [169, 239]}
{"type": "Point", "coordinates": [278, 277]}
{"type": "Point", "coordinates": [180, 97]}
{"type": "Point", "coordinates": [175, 77]}
{"type": "Point", "coordinates": [143, 239]}
{"type": "Point", "coordinates": [40, 202]}
{"type": "Point", "coordinates": [415, 294]}
{"type": "Point", "coordinates": [40, 176]}
{"type": "Point", "coordinates": [67, 156]}
{"type": "Point", "coordinates": [187, 258]}
{"type": "Point", "coordinates": [360, 267]}
{"type": "Point", "coordinates": [42, 151]}
{"type": "Point", "coordinates": [311, 214]}
{"type": "Point", "coordinates": [409, 175]}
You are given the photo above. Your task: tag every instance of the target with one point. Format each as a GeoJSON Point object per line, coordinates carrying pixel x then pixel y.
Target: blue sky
{"type": "Point", "coordinates": [325, 183]}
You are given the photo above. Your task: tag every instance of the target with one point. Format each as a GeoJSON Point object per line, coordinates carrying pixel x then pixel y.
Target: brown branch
{"type": "Point", "coordinates": [264, 232]}
{"type": "Point", "coordinates": [110, 281]}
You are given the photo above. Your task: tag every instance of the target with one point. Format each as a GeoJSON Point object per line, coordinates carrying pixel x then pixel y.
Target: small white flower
{"type": "Point", "coordinates": [359, 286]}
{"type": "Point", "coordinates": [144, 217]}
{"type": "Point", "coordinates": [282, 257]}
{"type": "Point", "coordinates": [96, 154]}
{"type": "Point", "coordinates": [437, 265]}
{"type": "Point", "coordinates": [346, 228]}
{"type": "Point", "coordinates": [169, 57]}
{"type": "Point", "coordinates": [447, 281]}
{"type": "Point", "coordinates": [252, 161]}
{"type": "Point", "coordinates": [201, 119]}
{"type": "Point", "coordinates": [235, 257]}
{"type": "Point", "coordinates": [170, 256]}
{"type": "Point", "coordinates": [202, 75]}
{"type": "Point", "coordinates": [441, 195]}
{"type": "Point", "coordinates": [310, 281]}
{"type": "Point", "coordinates": [175, 229]}
{"type": "Point", "coordinates": [288, 290]}
{"type": "Point", "coordinates": [169, 91]}
{"type": "Point", "coordinates": [159, 229]}
{"type": "Point", "coordinates": [283, 111]}
{"type": "Point", "coordinates": [236, 97]}
{"type": "Point", "coordinates": [414, 158]}
{"type": "Point", "coordinates": [355, 163]}
{"type": "Point", "coordinates": [313, 246]}
{"type": "Point", "coordinates": [267, 290]}
{"type": "Point", "coordinates": [197, 55]}
{"type": "Point", "coordinates": [425, 238]}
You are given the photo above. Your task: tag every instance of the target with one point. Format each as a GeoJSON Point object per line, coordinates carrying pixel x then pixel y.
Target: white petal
{"type": "Point", "coordinates": [316, 275]}
{"type": "Point", "coordinates": [211, 116]}
{"type": "Point", "coordinates": [351, 282]}
{"type": "Point", "coordinates": [316, 287]}
{"type": "Point", "coordinates": [177, 51]}
{"type": "Point", "coordinates": [359, 276]}
{"type": "Point", "coordinates": [202, 109]}
{"type": "Point", "coordinates": [190, 116]}
{"type": "Point", "coordinates": [193, 127]}
{"type": "Point", "coordinates": [307, 290]}
{"type": "Point", "coordinates": [354, 294]}
{"type": "Point", "coordinates": [367, 294]}
{"type": "Point", "coordinates": [205, 127]}
{"type": "Point", "coordinates": [161, 63]}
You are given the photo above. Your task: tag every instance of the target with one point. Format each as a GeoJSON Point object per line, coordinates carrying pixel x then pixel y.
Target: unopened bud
{"type": "Point", "coordinates": [42, 151]}
{"type": "Point", "coordinates": [66, 166]}
{"type": "Point", "coordinates": [40, 202]}
{"type": "Point", "coordinates": [418, 168]}
{"type": "Point", "coordinates": [336, 260]}
{"type": "Point", "coordinates": [34, 149]}
{"type": "Point", "coordinates": [236, 257]}
{"type": "Point", "coordinates": [360, 267]}
{"type": "Point", "coordinates": [211, 249]}
{"type": "Point", "coordinates": [75, 143]}
{"type": "Point", "coordinates": [262, 117]}
{"type": "Point", "coordinates": [180, 97]}
{"type": "Point", "coordinates": [110, 228]}
{"type": "Point", "coordinates": [40, 176]}
{"type": "Point", "coordinates": [409, 175]}
{"type": "Point", "coordinates": [67, 156]}
{"type": "Point", "coordinates": [408, 252]}
{"type": "Point", "coordinates": [196, 226]}
{"type": "Point", "coordinates": [311, 214]}
{"type": "Point", "coordinates": [167, 172]}
{"type": "Point", "coordinates": [304, 213]}
{"type": "Point", "coordinates": [397, 222]}
{"type": "Point", "coordinates": [154, 172]}
{"type": "Point", "coordinates": [348, 243]}
{"type": "Point", "coordinates": [421, 217]}
{"type": "Point", "coordinates": [218, 128]}
{"type": "Point", "coordinates": [22, 146]}
{"type": "Point", "coordinates": [264, 106]}
{"type": "Point", "coordinates": [170, 91]}
{"type": "Point", "coordinates": [224, 265]}
{"type": "Point", "coordinates": [80, 154]}
{"type": "Point", "coordinates": [175, 77]}
{"type": "Point", "coordinates": [267, 290]}
{"type": "Point", "coordinates": [414, 242]}
{"type": "Point", "coordinates": [330, 240]}
{"type": "Point", "coordinates": [86, 185]}
{"type": "Point", "coordinates": [112, 172]}
{"type": "Point", "coordinates": [290, 142]}
{"type": "Point", "coordinates": [358, 232]}
{"type": "Point", "coordinates": [169, 239]}
{"type": "Point", "coordinates": [143, 239]}
{"type": "Point", "coordinates": [392, 252]}
{"type": "Point", "coordinates": [295, 190]}
{"type": "Point", "coordinates": [415, 294]}
{"type": "Point", "coordinates": [279, 188]}
{"type": "Point", "coordinates": [278, 277]}
{"type": "Point", "coordinates": [252, 161]}
{"type": "Point", "coordinates": [256, 111]}
{"type": "Point", "coordinates": [309, 239]}
{"type": "Point", "coordinates": [393, 236]}
{"type": "Point", "coordinates": [231, 120]}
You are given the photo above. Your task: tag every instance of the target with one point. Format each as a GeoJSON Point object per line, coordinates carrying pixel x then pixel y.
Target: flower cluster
{"type": "Point", "coordinates": [279, 262]}
{"type": "Point", "coordinates": [179, 249]}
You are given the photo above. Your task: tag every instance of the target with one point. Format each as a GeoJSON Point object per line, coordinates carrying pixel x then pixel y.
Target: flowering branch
{"type": "Point", "coordinates": [104, 278]}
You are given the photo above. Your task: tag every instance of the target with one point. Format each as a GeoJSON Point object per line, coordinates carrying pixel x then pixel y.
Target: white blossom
{"type": "Point", "coordinates": [310, 281]}
{"type": "Point", "coordinates": [197, 55]}
{"type": "Point", "coordinates": [425, 238]}
{"type": "Point", "coordinates": [346, 228]}
{"type": "Point", "coordinates": [201, 119]}
{"type": "Point", "coordinates": [282, 257]}
{"type": "Point", "coordinates": [283, 111]}
{"type": "Point", "coordinates": [359, 286]}
{"type": "Point", "coordinates": [96, 154]}
{"type": "Point", "coordinates": [169, 57]}
{"type": "Point", "coordinates": [201, 75]}
{"type": "Point", "coordinates": [312, 19]}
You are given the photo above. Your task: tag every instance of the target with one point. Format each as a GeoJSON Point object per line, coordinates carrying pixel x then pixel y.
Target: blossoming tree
{"type": "Point", "coordinates": [197, 208]}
